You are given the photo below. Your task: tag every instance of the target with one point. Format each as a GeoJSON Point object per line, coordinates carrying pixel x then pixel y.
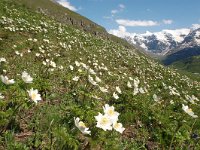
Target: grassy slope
{"type": "Point", "coordinates": [50, 123]}
{"type": "Point", "coordinates": [191, 64]}
{"type": "Point", "coordinates": [62, 14]}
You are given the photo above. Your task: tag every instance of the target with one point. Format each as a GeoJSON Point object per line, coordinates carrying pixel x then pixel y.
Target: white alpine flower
{"type": "Point", "coordinates": [111, 113]}
{"type": "Point", "coordinates": [141, 90]}
{"type": "Point", "coordinates": [26, 77]}
{"type": "Point", "coordinates": [33, 94]}
{"type": "Point", "coordinates": [118, 127]}
{"type": "Point", "coordinates": [91, 71]}
{"type": "Point", "coordinates": [97, 79]}
{"type": "Point", "coordinates": [2, 59]}
{"type": "Point", "coordinates": [189, 111]}
{"type": "Point", "coordinates": [71, 67]}
{"type": "Point", "coordinates": [135, 91]}
{"type": "Point", "coordinates": [156, 98]}
{"type": "Point", "coordinates": [77, 63]}
{"type": "Point", "coordinates": [91, 80]}
{"type": "Point", "coordinates": [81, 126]}
{"type": "Point", "coordinates": [5, 80]}
{"type": "Point", "coordinates": [53, 64]}
{"type": "Point", "coordinates": [103, 122]}
{"type": "Point", "coordinates": [130, 78]}
{"type": "Point", "coordinates": [136, 82]}
{"type": "Point", "coordinates": [118, 90]}
{"type": "Point", "coordinates": [115, 96]}
{"type": "Point", "coordinates": [104, 90]}
{"type": "Point", "coordinates": [76, 78]}
{"type": "Point", "coordinates": [129, 84]}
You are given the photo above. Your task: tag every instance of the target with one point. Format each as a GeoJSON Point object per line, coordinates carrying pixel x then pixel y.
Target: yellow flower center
{"type": "Point", "coordinates": [104, 121]}
{"type": "Point", "coordinates": [110, 112]}
{"type": "Point", "coordinates": [33, 96]}
{"type": "Point", "coordinates": [189, 110]}
{"type": "Point", "coordinates": [81, 124]}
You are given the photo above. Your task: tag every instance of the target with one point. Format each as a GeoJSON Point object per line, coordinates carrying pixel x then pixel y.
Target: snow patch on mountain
{"type": "Point", "coordinates": [163, 41]}
{"type": "Point", "coordinates": [178, 34]}
{"type": "Point", "coordinates": [197, 37]}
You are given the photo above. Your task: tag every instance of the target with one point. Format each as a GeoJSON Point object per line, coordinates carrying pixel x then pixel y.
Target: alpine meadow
{"type": "Point", "coordinates": [69, 85]}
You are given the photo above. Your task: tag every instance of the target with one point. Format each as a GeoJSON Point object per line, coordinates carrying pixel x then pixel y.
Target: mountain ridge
{"type": "Point", "coordinates": [63, 88]}
{"type": "Point", "coordinates": [56, 11]}
{"type": "Point", "coordinates": [167, 45]}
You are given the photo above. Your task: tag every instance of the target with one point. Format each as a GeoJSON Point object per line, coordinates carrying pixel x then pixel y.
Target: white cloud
{"type": "Point", "coordinates": [195, 26]}
{"type": "Point", "coordinates": [134, 23]}
{"type": "Point", "coordinates": [120, 9]}
{"type": "Point", "coordinates": [121, 6]}
{"type": "Point", "coordinates": [167, 21]}
{"type": "Point", "coordinates": [120, 32]}
{"type": "Point", "coordinates": [114, 11]}
{"type": "Point", "coordinates": [122, 28]}
{"type": "Point", "coordinates": [67, 4]}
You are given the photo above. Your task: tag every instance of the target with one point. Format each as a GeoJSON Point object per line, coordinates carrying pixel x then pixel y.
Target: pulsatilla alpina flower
{"type": "Point", "coordinates": [26, 77]}
{"type": "Point", "coordinates": [129, 84]}
{"type": "Point", "coordinates": [110, 112]}
{"type": "Point", "coordinates": [118, 90]}
{"type": "Point", "coordinates": [115, 95]}
{"type": "Point", "coordinates": [104, 122]}
{"type": "Point", "coordinates": [91, 80]}
{"type": "Point", "coordinates": [189, 111]}
{"type": "Point", "coordinates": [108, 121]}
{"type": "Point", "coordinates": [81, 126]}
{"type": "Point", "coordinates": [102, 89]}
{"type": "Point", "coordinates": [2, 59]}
{"type": "Point", "coordinates": [76, 78]}
{"type": "Point", "coordinates": [118, 127]}
{"type": "Point", "coordinates": [33, 94]}
{"type": "Point", "coordinates": [5, 80]}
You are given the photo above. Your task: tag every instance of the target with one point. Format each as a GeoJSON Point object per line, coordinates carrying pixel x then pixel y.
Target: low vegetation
{"type": "Point", "coordinates": [190, 64]}
{"type": "Point", "coordinates": [62, 88]}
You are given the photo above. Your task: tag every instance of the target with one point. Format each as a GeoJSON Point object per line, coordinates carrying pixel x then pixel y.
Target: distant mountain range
{"type": "Point", "coordinates": [165, 41]}
{"type": "Point", "coordinates": [170, 45]}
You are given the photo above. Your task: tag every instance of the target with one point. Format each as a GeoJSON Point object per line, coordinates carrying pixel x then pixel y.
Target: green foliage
{"type": "Point", "coordinates": [190, 64]}
{"type": "Point", "coordinates": [65, 63]}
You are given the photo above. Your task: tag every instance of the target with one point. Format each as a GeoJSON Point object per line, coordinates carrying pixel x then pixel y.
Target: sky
{"type": "Point", "coordinates": [138, 16]}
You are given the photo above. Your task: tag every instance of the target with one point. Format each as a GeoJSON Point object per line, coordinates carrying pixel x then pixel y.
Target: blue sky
{"type": "Point", "coordinates": [138, 16]}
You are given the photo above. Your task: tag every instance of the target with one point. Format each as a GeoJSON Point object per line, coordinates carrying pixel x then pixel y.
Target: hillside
{"type": "Point", "coordinates": [63, 15]}
{"type": "Point", "coordinates": [53, 74]}
{"type": "Point", "coordinates": [191, 64]}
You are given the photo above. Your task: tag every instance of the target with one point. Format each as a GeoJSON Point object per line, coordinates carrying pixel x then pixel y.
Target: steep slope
{"type": "Point", "coordinates": [63, 15]}
{"type": "Point", "coordinates": [77, 75]}
{"type": "Point", "coordinates": [191, 64]}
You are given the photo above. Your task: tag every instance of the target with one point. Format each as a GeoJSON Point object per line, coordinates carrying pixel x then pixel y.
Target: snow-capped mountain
{"type": "Point", "coordinates": [162, 42]}
{"type": "Point", "coordinates": [192, 40]}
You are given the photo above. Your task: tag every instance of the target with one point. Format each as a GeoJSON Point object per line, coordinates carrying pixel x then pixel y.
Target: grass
{"type": "Point", "coordinates": [190, 64]}
{"type": "Point", "coordinates": [30, 39]}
